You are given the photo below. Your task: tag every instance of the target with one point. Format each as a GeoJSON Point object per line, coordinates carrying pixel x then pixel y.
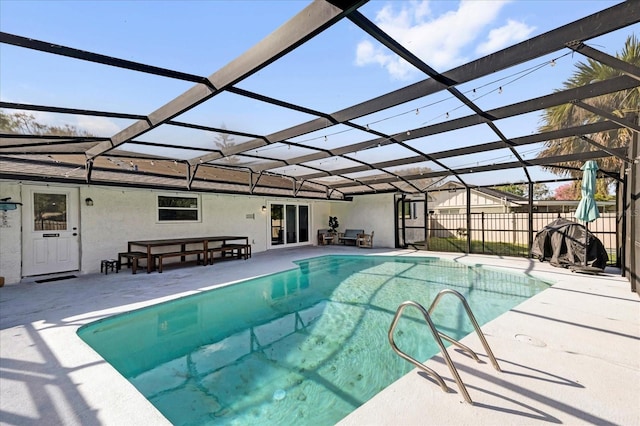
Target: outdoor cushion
{"type": "Point", "coordinates": [350, 235]}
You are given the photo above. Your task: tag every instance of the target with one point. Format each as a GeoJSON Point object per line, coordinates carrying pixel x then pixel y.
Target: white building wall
{"type": "Point", "coordinates": [368, 212]}
{"type": "Point", "coordinates": [10, 234]}
{"type": "Point", "coordinates": [119, 215]}
{"type": "Point", "coordinates": [455, 202]}
{"type": "Point", "coordinates": [320, 218]}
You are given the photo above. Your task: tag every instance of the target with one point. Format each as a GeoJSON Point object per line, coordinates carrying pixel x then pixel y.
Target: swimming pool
{"type": "Point", "coordinates": [304, 346]}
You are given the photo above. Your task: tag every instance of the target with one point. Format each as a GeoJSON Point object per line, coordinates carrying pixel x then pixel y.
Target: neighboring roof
{"type": "Point", "coordinates": [490, 192]}
{"type": "Point", "coordinates": [299, 168]}
{"type": "Point", "coordinates": [502, 195]}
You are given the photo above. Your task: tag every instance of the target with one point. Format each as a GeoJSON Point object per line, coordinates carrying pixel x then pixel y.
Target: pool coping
{"type": "Point", "coordinates": [49, 374]}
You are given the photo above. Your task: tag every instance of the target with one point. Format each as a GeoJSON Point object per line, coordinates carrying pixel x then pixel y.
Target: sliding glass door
{"type": "Point", "coordinates": [289, 224]}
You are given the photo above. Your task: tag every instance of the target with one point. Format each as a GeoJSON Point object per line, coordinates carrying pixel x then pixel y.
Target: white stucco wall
{"type": "Point", "coordinates": [368, 212]}
{"type": "Point", "coordinates": [10, 234]}
{"type": "Point", "coordinates": [119, 215]}
{"type": "Point", "coordinates": [320, 218]}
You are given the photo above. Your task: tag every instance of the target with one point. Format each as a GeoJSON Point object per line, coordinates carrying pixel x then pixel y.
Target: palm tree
{"type": "Point", "coordinates": [567, 115]}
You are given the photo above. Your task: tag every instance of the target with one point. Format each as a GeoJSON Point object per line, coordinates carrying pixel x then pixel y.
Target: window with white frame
{"type": "Point", "coordinates": [178, 209]}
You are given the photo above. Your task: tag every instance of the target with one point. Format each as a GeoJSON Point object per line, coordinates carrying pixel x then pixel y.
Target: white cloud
{"type": "Point", "coordinates": [505, 36]}
{"type": "Point", "coordinates": [442, 41]}
{"type": "Point", "coordinates": [99, 126]}
{"type": "Point", "coordinates": [366, 54]}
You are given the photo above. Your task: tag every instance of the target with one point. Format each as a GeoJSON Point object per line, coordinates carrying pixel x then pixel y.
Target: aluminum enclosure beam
{"type": "Point", "coordinates": [627, 68]}
{"type": "Point", "coordinates": [595, 25]}
{"type": "Point", "coordinates": [315, 18]}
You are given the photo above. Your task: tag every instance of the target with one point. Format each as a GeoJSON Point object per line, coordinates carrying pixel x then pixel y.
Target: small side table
{"type": "Point", "coordinates": [109, 264]}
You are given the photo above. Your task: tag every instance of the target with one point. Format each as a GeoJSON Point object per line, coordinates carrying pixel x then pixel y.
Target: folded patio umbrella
{"type": "Point", "coordinates": [587, 210]}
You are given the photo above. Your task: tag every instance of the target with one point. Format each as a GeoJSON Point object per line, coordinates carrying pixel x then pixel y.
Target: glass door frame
{"type": "Point", "coordinates": [284, 225]}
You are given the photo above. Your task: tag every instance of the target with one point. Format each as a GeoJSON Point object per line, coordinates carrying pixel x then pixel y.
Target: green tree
{"type": "Point", "coordinates": [621, 104]}
{"type": "Point", "coordinates": [540, 190]}
{"type": "Point", "coordinates": [413, 171]}
{"type": "Point", "coordinates": [513, 188]}
{"type": "Point", "coordinates": [5, 122]}
{"type": "Point", "coordinates": [26, 124]}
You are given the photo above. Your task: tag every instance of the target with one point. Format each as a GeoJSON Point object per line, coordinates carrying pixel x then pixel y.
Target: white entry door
{"type": "Point", "coordinates": [50, 230]}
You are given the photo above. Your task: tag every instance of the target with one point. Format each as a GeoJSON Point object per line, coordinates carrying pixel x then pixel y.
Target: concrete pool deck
{"type": "Point", "coordinates": [569, 355]}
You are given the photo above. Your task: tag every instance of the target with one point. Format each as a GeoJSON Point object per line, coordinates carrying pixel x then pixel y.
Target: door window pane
{"type": "Point", "coordinates": [277, 224]}
{"type": "Point", "coordinates": [291, 224]}
{"type": "Point", "coordinates": [303, 223]}
{"type": "Point", "coordinates": [49, 212]}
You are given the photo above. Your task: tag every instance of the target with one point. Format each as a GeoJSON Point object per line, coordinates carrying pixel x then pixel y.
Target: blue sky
{"type": "Point", "coordinates": [339, 68]}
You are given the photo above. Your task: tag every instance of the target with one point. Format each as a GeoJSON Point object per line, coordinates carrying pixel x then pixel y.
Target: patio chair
{"type": "Point", "coordinates": [365, 240]}
{"type": "Point", "coordinates": [325, 236]}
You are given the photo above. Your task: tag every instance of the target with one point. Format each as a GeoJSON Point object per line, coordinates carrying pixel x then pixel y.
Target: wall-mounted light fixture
{"type": "Point", "coordinates": [5, 204]}
{"type": "Point", "coordinates": [88, 202]}
{"type": "Point", "coordinates": [264, 208]}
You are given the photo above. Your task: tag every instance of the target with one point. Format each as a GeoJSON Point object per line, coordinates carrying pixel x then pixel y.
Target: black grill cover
{"type": "Point", "coordinates": [562, 243]}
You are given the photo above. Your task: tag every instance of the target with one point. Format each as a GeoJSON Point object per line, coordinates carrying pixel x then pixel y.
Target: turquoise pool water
{"type": "Point", "coordinates": [305, 346]}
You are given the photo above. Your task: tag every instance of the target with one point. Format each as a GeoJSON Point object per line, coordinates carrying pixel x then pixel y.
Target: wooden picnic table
{"type": "Point", "coordinates": [201, 242]}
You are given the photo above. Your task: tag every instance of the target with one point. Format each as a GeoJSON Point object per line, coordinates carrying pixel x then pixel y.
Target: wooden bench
{"type": "Point", "coordinates": [181, 254]}
{"type": "Point", "coordinates": [132, 259]}
{"type": "Point", "coordinates": [350, 236]}
{"type": "Point", "coordinates": [239, 251]}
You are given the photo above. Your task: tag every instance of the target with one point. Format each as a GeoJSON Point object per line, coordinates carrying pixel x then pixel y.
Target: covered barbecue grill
{"type": "Point", "coordinates": [562, 242]}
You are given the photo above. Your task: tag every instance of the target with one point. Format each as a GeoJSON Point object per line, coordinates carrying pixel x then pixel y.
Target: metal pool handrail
{"type": "Point", "coordinates": [472, 318]}
{"type": "Point", "coordinates": [438, 336]}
